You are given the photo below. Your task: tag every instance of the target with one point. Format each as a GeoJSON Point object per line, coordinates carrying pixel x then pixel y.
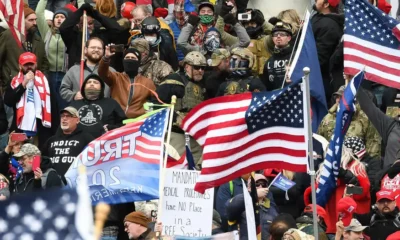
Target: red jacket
{"type": "Point", "coordinates": [363, 201]}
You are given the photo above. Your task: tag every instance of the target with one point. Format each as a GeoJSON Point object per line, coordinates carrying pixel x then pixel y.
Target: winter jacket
{"type": "Point", "coordinates": [8, 58]}
{"type": "Point", "coordinates": [63, 148]}
{"type": "Point", "coordinates": [165, 49]}
{"type": "Point", "coordinates": [387, 127]}
{"type": "Point", "coordinates": [390, 95]}
{"type": "Point", "coordinates": [235, 211]}
{"type": "Point", "coordinates": [191, 37]}
{"type": "Point", "coordinates": [28, 183]}
{"type": "Point", "coordinates": [120, 86]}
{"type": "Point", "coordinates": [94, 114]}
{"type": "Point", "coordinates": [70, 84]}
{"type": "Point", "coordinates": [214, 80]}
{"type": "Point", "coordinates": [54, 45]}
{"type": "Point", "coordinates": [3, 117]}
{"type": "Point", "coordinates": [177, 31]}
{"type": "Point", "coordinates": [275, 68]}
{"type": "Point", "coordinates": [5, 159]}
{"type": "Point", "coordinates": [363, 201]}
{"type": "Point", "coordinates": [381, 226]}
{"type": "Point", "coordinates": [72, 37]}
{"type": "Point", "coordinates": [373, 166]}
{"type": "Point", "coordinates": [38, 48]}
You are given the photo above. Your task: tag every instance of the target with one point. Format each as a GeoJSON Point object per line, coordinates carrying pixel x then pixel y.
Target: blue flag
{"type": "Point", "coordinates": [123, 165]}
{"type": "Point", "coordinates": [306, 56]}
{"type": "Point", "coordinates": [282, 182]}
{"type": "Point", "coordinates": [330, 172]}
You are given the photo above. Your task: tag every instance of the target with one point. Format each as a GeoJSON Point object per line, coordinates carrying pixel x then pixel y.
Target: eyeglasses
{"type": "Point", "coordinates": [199, 68]}
{"type": "Point", "coordinates": [280, 34]}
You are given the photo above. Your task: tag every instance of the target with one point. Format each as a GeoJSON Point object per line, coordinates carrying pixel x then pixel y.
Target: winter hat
{"type": "Point", "coordinates": [138, 218]}
{"type": "Point", "coordinates": [297, 234]}
{"type": "Point", "coordinates": [71, 7]}
{"type": "Point", "coordinates": [27, 10]}
{"type": "Point", "coordinates": [48, 15]}
{"type": "Point", "coordinates": [64, 11]}
{"type": "Point", "coordinates": [134, 51]}
{"type": "Point", "coordinates": [161, 12]}
{"type": "Point", "coordinates": [357, 145]}
{"type": "Point", "coordinates": [346, 207]}
{"type": "Point", "coordinates": [320, 211]}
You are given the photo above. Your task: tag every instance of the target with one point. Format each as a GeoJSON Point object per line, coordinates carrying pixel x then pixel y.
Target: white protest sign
{"type": "Point", "coordinates": [185, 211]}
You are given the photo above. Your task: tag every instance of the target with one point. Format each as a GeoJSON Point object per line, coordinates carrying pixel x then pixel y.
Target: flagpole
{"type": "Point", "coordinates": [163, 164]}
{"type": "Point", "coordinates": [84, 29]}
{"type": "Point", "coordinates": [311, 171]}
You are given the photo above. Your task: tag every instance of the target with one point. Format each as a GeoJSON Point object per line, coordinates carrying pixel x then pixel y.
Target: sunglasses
{"type": "Point", "coordinates": [261, 184]}
{"type": "Point", "coordinates": [199, 68]}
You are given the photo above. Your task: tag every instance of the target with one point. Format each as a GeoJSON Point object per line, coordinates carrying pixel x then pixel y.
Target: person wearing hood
{"type": "Point", "coordinates": [327, 27]}
{"type": "Point", "coordinates": [241, 80]}
{"type": "Point", "coordinates": [68, 143]}
{"type": "Point", "coordinates": [44, 177]}
{"type": "Point", "coordinates": [130, 89]}
{"type": "Point", "coordinates": [150, 66]}
{"type": "Point", "coordinates": [97, 114]}
{"type": "Point", "coordinates": [276, 66]}
{"type": "Point", "coordinates": [160, 41]}
{"type": "Point", "coordinates": [54, 47]}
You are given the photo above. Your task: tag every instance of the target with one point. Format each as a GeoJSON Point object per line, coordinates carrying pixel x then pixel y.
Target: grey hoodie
{"type": "Point", "coordinates": [70, 84]}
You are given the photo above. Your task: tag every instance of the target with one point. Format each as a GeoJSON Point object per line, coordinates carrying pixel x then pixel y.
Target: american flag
{"type": "Point", "coordinates": [247, 132]}
{"type": "Point", "coordinates": [13, 13]}
{"type": "Point", "coordinates": [186, 161]}
{"type": "Point", "coordinates": [371, 40]}
{"type": "Point", "coordinates": [47, 215]}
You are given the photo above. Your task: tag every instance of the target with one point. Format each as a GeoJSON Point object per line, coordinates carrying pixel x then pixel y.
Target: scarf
{"type": "Point", "coordinates": [34, 103]}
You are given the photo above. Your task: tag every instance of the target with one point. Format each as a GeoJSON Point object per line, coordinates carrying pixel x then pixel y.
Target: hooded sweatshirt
{"type": "Point", "coordinates": [63, 148]}
{"type": "Point", "coordinates": [94, 114]}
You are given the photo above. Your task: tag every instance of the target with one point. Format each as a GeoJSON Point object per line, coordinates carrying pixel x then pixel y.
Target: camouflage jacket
{"type": "Point", "coordinates": [360, 126]}
{"type": "Point", "coordinates": [156, 70]}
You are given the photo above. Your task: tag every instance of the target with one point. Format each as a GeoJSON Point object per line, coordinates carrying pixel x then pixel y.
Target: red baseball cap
{"type": "Point", "coordinates": [394, 236]}
{"type": "Point", "coordinates": [320, 210]}
{"type": "Point", "coordinates": [385, 194]}
{"type": "Point", "coordinates": [346, 207]}
{"type": "Point", "coordinates": [27, 57]}
{"type": "Point", "coordinates": [333, 3]}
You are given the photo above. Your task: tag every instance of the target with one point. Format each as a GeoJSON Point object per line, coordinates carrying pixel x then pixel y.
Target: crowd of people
{"type": "Point", "coordinates": [195, 51]}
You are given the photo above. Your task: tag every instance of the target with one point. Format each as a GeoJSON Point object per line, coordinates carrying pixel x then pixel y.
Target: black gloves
{"type": "Point", "coordinates": [394, 170]}
{"type": "Point", "coordinates": [230, 19]}
{"type": "Point", "coordinates": [348, 177]}
{"type": "Point", "coordinates": [225, 9]}
{"type": "Point", "coordinates": [274, 20]}
{"type": "Point", "coordinates": [193, 20]}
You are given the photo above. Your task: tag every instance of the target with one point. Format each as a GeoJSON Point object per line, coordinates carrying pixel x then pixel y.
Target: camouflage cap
{"type": "Point", "coordinates": [340, 91]}
{"type": "Point", "coordinates": [70, 110]}
{"type": "Point", "coordinates": [218, 55]}
{"type": "Point", "coordinates": [141, 45]}
{"type": "Point", "coordinates": [195, 58]}
{"type": "Point", "coordinates": [27, 149]}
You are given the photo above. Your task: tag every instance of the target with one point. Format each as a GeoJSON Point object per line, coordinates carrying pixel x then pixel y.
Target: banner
{"type": "Point", "coordinates": [185, 211]}
{"type": "Point", "coordinates": [282, 182]}
{"type": "Point", "coordinates": [123, 165]}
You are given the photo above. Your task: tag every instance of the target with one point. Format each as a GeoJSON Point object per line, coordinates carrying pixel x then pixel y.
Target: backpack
{"type": "Point", "coordinates": [46, 174]}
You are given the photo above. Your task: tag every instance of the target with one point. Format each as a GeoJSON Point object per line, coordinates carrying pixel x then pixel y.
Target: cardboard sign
{"type": "Point", "coordinates": [185, 211]}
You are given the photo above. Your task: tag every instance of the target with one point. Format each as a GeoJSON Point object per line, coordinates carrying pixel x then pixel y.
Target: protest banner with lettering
{"type": "Point", "coordinates": [185, 211]}
{"type": "Point", "coordinates": [123, 165]}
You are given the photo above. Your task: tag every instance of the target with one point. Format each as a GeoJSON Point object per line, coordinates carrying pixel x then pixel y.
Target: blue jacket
{"type": "Point", "coordinates": [176, 30]}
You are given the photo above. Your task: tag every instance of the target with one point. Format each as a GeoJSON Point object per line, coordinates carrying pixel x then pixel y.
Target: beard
{"type": "Point", "coordinates": [93, 58]}
{"type": "Point", "coordinates": [32, 30]}
{"type": "Point", "coordinates": [25, 71]}
{"type": "Point", "coordinates": [66, 127]}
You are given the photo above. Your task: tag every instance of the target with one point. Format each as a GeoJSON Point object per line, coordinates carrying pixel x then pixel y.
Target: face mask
{"type": "Point", "coordinates": [131, 67]}
{"type": "Point", "coordinates": [151, 40]}
{"type": "Point", "coordinates": [253, 32]}
{"type": "Point", "coordinates": [212, 43]}
{"type": "Point", "coordinates": [239, 68]}
{"type": "Point", "coordinates": [206, 19]}
{"type": "Point", "coordinates": [92, 94]}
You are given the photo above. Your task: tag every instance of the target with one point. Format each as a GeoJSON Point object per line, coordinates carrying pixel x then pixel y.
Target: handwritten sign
{"type": "Point", "coordinates": [185, 211]}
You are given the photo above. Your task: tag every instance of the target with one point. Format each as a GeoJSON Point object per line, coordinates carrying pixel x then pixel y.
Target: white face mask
{"type": "Point", "coordinates": [151, 40]}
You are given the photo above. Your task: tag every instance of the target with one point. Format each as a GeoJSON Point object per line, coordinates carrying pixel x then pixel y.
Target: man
{"type": "Point", "coordinates": [220, 63]}
{"type": "Point", "coordinates": [198, 26]}
{"type": "Point", "coordinates": [137, 226]}
{"type": "Point", "coordinates": [305, 221]}
{"type": "Point", "coordinates": [275, 68]}
{"type": "Point", "coordinates": [33, 42]}
{"type": "Point", "coordinates": [130, 89]}
{"type": "Point", "coordinates": [327, 27]}
{"type": "Point", "coordinates": [150, 66]}
{"type": "Point", "coordinates": [97, 114]}
{"type": "Point", "coordinates": [241, 79]}
{"type": "Point", "coordinates": [71, 31]}
{"type": "Point", "coordinates": [29, 96]}
{"type": "Point", "coordinates": [385, 217]}
{"type": "Point", "coordinates": [352, 232]}
{"type": "Point", "coordinates": [160, 41]}
{"type": "Point", "coordinates": [360, 126]}
{"type": "Point", "coordinates": [70, 85]}
{"type": "Point", "coordinates": [67, 143]}
{"type": "Point", "coordinates": [44, 177]}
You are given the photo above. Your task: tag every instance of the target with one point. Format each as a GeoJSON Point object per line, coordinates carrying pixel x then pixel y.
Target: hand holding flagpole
{"type": "Point", "coordinates": [84, 33]}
